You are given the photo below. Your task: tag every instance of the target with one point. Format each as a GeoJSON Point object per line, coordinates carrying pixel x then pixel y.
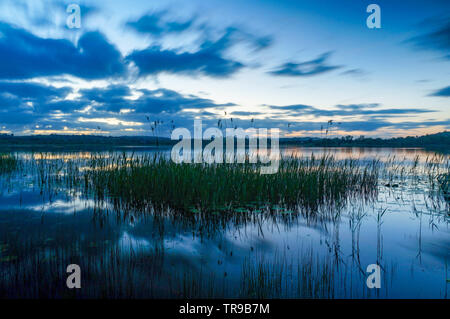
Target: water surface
{"type": "Point", "coordinates": [289, 255]}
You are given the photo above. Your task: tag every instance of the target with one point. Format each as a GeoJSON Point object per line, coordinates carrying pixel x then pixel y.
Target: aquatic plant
{"type": "Point", "coordinates": [444, 182]}
{"type": "Point", "coordinates": [216, 195]}
{"type": "Point", "coordinates": [155, 180]}
{"type": "Point", "coordinates": [34, 266]}
{"type": "Point", "coordinates": [8, 163]}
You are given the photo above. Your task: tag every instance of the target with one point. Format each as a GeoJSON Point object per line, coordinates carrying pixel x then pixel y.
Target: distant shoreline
{"type": "Point", "coordinates": [438, 142]}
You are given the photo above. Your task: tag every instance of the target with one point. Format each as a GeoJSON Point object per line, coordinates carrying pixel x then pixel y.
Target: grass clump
{"type": "Point", "coordinates": [8, 163]}
{"type": "Point", "coordinates": [156, 180]}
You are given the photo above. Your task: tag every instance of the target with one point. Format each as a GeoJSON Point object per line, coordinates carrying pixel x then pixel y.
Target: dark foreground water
{"type": "Point", "coordinates": [286, 255]}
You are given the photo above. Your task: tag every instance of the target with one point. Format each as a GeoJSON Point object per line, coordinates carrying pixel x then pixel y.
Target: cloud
{"type": "Point", "coordinates": [169, 101]}
{"type": "Point", "coordinates": [32, 91]}
{"type": "Point", "coordinates": [355, 107]}
{"type": "Point", "coordinates": [113, 98]}
{"type": "Point", "coordinates": [157, 24]}
{"type": "Point", "coordinates": [436, 40]}
{"type": "Point", "coordinates": [23, 97]}
{"type": "Point", "coordinates": [353, 72]}
{"type": "Point", "coordinates": [48, 13]}
{"type": "Point", "coordinates": [208, 60]}
{"type": "Point", "coordinates": [26, 103]}
{"type": "Point", "coordinates": [444, 92]}
{"type": "Point", "coordinates": [109, 120]}
{"type": "Point", "coordinates": [294, 107]}
{"type": "Point", "coordinates": [347, 110]}
{"type": "Point", "coordinates": [155, 60]}
{"type": "Point", "coordinates": [308, 68]}
{"type": "Point", "coordinates": [115, 108]}
{"type": "Point", "coordinates": [374, 125]}
{"type": "Point", "coordinates": [24, 55]}
{"type": "Point", "coordinates": [244, 113]}
{"type": "Point", "coordinates": [51, 111]}
{"type": "Point", "coordinates": [347, 126]}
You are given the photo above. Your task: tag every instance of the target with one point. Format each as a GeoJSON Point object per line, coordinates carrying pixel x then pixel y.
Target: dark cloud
{"type": "Point", "coordinates": [24, 55]}
{"type": "Point", "coordinates": [155, 60]}
{"type": "Point", "coordinates": [164, 100]}
{"type": "Point", "coordinates": [347, 110]}
{"type": "Point", "coordinates": [294, 107]}
{"type": "Point", "coordinates": [340, 127]}
{"type": "Point", "coordinates": [32, 91]}
{"type": "Point", "coordinates": [308, 68]}
{"type": "Point", "coordinates": [158, 24]}
{"type": "Point", "coordinates": [65, 106]}
{"type": "Point", "coordinates": [208, 60]}
{"type": "Point", "coordinates": [17, 95]}
{"type": "Point", "coordinates": [114, 98]}
{"type": "Point", "coordinates": [50, 109]}
{"type": "Point", "coordinates": [374, 125]}
{"type": "Point", "coordinates": [354, 107]}
{"type": "Point", "coordinates": [244, 113]}
{"type": "Point", "coordinates": [347, 126]}
{"type": "Point", "coordinates": [353, 72]}
{"type": "Point", "coordinates": [27, 103]}
{"type": "Point", "coordinates": [436, 40]}
{"type": "Point", "coordinates": [444, 92]}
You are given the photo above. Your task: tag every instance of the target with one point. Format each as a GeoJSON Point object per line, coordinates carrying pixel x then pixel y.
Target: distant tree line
{"type": "Point", "coordinates": [438, 140]}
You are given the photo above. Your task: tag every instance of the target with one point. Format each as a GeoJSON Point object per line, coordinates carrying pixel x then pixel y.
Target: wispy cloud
{"type": "Point", "coordinates": [307, 68]}
{"type": "Point", "coordinates": [209, 60]}
{"type": "Point", "coordinates": [436, 40]}
{"type": "Point", "coordinates": [349, 110]}
{"type": "Point", "coordinates": [444, 92]}
{"type": "Point", "coordinates": [159, 24]}
{"type": "Point", "coordinates": [353, 72]}
{"type": "Point", "coordinates": [114, 98]}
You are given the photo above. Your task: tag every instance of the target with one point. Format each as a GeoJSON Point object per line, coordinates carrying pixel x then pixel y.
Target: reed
{"type": "Point", "coordinates": [8, 163]}
{"type": "Point", "coordinates": [444, 183]}
{"type": "Point", "coordinates": [154, 180]}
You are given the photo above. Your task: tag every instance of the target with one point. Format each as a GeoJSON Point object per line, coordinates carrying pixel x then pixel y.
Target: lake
{"type": "Point", "coordinates": [273, 253]}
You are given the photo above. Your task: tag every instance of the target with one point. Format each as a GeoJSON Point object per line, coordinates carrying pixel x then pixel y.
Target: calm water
{"type": "Point", "coordinates": [404, 230]}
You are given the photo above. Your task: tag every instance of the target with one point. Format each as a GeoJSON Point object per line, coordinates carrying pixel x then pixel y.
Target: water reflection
{"type": "Point", "coordinates": [249, 254]}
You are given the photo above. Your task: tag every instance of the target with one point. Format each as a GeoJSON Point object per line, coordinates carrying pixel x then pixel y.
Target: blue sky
{"type": "Point", "coordinates": [289, 64]}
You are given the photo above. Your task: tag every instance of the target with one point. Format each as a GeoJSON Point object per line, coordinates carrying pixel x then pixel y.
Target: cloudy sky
{"type": "Point", "coordinates": [291, 64]}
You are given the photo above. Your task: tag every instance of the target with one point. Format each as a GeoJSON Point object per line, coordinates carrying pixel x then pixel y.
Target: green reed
{"type": "Point", "coordinates": [306, 276]}
{"type": "Point", "coordinates": [304, 184]}
{"type": "Point", "coordinates": [444, 181]}
{"type": "Point", "coordinates": [156, 180]}
{"type": "Point", "coordinates": [8, 163]}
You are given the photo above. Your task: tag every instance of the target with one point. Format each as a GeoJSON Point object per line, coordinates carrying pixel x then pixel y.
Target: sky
{"type": "Point", "coordinates": [147, 67]}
